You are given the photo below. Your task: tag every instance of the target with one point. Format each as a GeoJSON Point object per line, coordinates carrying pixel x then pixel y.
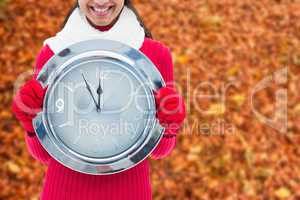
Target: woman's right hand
{"type": "Point", "coordinates": [27, 102]}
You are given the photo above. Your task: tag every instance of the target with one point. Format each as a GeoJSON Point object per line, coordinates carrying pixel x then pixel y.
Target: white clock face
{"type": "Point", "coordinates": [98, 109]}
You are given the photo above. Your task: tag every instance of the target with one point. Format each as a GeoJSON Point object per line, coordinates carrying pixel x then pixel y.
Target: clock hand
{"type": "Point", "coordinates": [99, 92]}
{"type": "Point", "coordinates": [90, 91]}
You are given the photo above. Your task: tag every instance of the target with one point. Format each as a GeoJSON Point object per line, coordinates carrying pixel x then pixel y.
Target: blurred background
{"type": "Point", "coordinates": [237, 64]}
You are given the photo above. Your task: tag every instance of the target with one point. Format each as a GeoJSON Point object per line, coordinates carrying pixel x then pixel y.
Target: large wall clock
{"type": "Point", "coordinates": [99, 113]}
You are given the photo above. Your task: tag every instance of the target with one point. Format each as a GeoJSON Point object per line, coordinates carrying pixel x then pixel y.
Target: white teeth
{"type": "Point", "coordinates": [100, 9]}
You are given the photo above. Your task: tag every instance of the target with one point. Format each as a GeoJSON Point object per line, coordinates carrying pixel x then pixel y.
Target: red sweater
{"type": "Point", "coordinates": [134, 184]}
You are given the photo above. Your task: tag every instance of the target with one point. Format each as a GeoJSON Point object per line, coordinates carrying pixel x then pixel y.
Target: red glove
{"type": "Point", "coordinates": [170, 109]}
{"type": "Point", "coordinates": [27, 102]}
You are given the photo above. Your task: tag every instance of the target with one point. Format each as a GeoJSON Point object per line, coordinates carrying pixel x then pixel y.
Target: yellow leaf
{"type": "Point", "coordinates": [249, 188]}
{"type": "Point", "coordinates": [239, 99]}
{"type": "Point", "coordinates": [192, 157]}
{"type": "Point", "coordinates": [211, 21]}
{"type": "Point", "coordinates": [181, 59]}
{"type": "Point", "coordinates": [216, 109]}
{"type": "Point", "coordinates": [283, 192]}
{"type": "Point", "coordinates": [232, 71]}
{"type": "Point", "coordinates": [196, 149]}
{"type": "Point", "coordinates": [296, 60]}
{"type": "Point", "coordinates": [264, 172]}
{"type": "Point", "coordinates": [249, 156]}
{"type": "Point", "coordinates": [13, 167]}
{"type": "Point", "coordinates": [35, 197]}
{"type": "Point", "coordinates": [297, 109]}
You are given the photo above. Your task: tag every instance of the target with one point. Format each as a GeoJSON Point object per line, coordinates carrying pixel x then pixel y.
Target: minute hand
{"type": "Point", "coordinates": [90, 91]}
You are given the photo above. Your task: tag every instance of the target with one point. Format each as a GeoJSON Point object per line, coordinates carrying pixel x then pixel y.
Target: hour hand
{"type": "Point", "coordinates": [99, 92]}
{"type": "Point", "coordinates": [90, 91]}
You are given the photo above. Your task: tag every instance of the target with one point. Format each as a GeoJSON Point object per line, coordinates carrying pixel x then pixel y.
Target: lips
{"type": "Point", "coordinates": [101, 11]}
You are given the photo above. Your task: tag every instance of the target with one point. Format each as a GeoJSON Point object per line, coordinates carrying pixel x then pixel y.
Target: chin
{"type": "Point", "coordinates": [97, 22]}
{"type": "Point", "coordinates": [103, 23]}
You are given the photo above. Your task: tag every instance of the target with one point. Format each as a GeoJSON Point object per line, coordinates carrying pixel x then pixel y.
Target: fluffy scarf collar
{"type": "Point", "coordinates": [127, 30]}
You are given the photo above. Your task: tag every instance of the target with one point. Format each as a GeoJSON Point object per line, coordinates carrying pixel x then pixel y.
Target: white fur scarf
{"type": "Point", "coordinates": [126, 30]}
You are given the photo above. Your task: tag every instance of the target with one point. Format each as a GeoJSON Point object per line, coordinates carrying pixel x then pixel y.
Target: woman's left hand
{"type": "Point", "coordinates": [170, 109]}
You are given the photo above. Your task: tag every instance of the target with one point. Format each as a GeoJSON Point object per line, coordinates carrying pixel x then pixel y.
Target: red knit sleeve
{"type": "Point", "coordinates": [33, 144]}
{"type": "Point", "coordinates": [43, 56]}
{"type": "Point", "coordinates": [168, 141]}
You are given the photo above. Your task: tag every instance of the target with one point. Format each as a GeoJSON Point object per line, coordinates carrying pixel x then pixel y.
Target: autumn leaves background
{"type": "Point", "coordinates": [222, 51]}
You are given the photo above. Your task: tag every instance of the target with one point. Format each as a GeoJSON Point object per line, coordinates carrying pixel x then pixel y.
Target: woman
{"type": "Point", "coordinates": [105, 19]}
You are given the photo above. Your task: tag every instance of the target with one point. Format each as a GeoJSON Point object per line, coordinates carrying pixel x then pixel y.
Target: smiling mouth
{"type": "Point", "coordinates": [101, 12]}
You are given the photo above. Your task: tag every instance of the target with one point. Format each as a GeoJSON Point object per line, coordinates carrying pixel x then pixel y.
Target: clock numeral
{"type": "Point", "coordinates": [60, 104]}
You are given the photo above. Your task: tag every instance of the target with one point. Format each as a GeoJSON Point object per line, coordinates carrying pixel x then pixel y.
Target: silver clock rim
{"type": "Point", "coordinates": [109, 49]}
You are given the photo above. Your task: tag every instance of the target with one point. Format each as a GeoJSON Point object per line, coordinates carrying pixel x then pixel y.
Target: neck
{"type": "Point", "coordinates": [101, 27]}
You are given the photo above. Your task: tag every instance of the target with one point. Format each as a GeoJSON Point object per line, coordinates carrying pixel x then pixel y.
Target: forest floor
{"type": "Point", "coordinates": [235, 63]}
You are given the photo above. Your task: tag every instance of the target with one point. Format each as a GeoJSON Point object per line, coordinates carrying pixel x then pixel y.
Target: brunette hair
{"type": "Point", "coordinates": [128, 3]}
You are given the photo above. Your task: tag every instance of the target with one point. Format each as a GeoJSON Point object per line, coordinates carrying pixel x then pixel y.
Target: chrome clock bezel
{"type": "Point", "coordinates": [128, 57]}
